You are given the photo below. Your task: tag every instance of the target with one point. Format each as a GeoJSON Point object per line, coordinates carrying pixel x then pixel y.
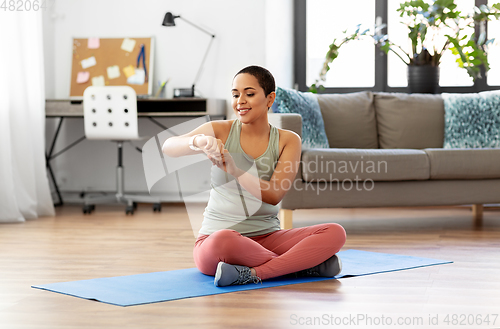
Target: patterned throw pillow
{"type": "Point", "coordinates": [305, 104]}
{"type": "Point", "coordinates": [472, 120]}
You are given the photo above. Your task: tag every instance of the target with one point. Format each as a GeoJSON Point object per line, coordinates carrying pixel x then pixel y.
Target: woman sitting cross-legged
{"type": "Point", "coordinates": [254, 165]}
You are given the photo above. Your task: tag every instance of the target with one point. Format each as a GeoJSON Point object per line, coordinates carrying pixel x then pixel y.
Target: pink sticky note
{"type": "Point", "coordinates": [93, 43]}
{"type": "Point", "coordinates": [82, 77]}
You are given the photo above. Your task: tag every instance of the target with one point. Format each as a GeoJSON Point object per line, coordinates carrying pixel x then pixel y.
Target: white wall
{"type": "Point", "coordinates": [279, 41]}
{"type": "Point", "coordinates": [257, 32]}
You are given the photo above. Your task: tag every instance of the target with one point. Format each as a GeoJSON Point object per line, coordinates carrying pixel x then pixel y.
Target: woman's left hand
{"type": "Point", "coordinates": [227, 164]}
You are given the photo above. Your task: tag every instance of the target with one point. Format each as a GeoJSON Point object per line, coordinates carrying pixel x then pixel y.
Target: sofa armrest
{"type": "Point", "coordinates": [288, 121]}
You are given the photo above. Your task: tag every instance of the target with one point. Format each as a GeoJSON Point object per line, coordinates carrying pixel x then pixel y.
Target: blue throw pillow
{"type": "Point", "coordinates": [305, 104]}
{"type": "Point", "coordinates": [472, 120]}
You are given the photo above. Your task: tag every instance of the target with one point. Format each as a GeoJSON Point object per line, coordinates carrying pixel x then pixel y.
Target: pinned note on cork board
{"type": "Point", "coordinates": [112, 62]}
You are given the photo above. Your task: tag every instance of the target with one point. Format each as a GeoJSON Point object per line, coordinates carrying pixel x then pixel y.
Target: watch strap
{"type": "Point", "coordinates": [191, 142]}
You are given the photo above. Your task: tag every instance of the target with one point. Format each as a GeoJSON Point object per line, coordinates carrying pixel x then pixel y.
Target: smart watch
{"type": "Point", "coordinates": [191, 142]}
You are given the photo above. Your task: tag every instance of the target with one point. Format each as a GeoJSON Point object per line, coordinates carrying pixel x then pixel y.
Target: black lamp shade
{"type": "Point", "coordinates": [169, 19]}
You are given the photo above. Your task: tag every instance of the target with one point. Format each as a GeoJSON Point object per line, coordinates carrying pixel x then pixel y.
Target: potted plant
{"type": "Point", "coordinates": [433, 28]}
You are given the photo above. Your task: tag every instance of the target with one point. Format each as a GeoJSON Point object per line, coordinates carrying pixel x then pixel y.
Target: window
{"type": "Point", "coordinates": [493, 75]}
{"type": "Point", "coordinates": [398, 34]}
{"type": "Point", "coordinates": [319, 22]}
{"type": "Point", "coordinates": [325, 21]}
{"type": "Point", "coordinates": [450, 73]}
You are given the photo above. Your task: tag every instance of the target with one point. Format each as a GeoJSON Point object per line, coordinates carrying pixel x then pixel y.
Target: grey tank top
{"type": "Point", "coordinates": [232, 207]}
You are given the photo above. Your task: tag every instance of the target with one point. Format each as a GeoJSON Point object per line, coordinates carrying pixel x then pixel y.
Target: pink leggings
{"type": "Point", "coordinates": [273, 254]}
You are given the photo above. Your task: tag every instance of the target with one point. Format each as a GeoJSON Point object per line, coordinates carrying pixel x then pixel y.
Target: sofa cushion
{"type": "Point", "coordinates": [363, 164]}
{"type": "Point", "coordinates": [413, 121]}
{"type": "Point", "coordinates": [464, 163]}
{"type": "Point", "coordinates": [305, 104]}
{"type": "Point", "coordinates": [288, 121]}
{"type": "Point", "coordinates": [472, 120]}
{"type": "Point", "coordinates": [349, 120]}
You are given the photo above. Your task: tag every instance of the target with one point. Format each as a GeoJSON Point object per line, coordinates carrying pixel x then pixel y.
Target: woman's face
{"type": "Point", "coordinates": [249, 99]}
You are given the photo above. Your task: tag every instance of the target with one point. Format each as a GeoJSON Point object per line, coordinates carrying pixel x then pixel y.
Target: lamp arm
{"type": "Point", "coordinates": [199, 28]}
{"type": "Point", "coordinates": [206, 53]}
{"type": "Point", "coordinates": [203, 62]}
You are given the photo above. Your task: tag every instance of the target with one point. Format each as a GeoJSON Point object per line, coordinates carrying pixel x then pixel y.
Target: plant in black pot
{"type": "Point", "coordinates": [434, 27]}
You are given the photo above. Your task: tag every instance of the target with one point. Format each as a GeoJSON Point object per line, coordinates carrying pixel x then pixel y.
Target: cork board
{"type": "Point", "coordinates": [101, 61]}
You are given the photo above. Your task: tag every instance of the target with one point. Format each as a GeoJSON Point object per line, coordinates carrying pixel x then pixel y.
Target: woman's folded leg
{"type": "Point", "coordinates": [230, 247]}
{"type": "Point", "coordinates": [300, 248]}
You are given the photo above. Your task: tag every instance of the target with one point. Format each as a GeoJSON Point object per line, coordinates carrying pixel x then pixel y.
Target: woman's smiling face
{"type": "Point", "coordinates": [249, 99]}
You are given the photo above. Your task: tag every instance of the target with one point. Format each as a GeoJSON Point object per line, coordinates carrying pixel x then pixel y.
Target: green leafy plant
{"type": "Point", "coordinates": [433, 28]}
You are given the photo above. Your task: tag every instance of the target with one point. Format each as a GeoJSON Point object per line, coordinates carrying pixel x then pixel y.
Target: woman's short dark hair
{"type": "Point", "coordinates": [263, 76]}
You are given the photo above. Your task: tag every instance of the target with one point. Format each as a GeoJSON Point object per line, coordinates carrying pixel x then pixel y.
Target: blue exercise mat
{"type": "Point", "coordinates": [163, 286]}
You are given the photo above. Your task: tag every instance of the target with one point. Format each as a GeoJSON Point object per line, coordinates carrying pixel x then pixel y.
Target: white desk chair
{"type": "Point", "coordinates": [110, 113]}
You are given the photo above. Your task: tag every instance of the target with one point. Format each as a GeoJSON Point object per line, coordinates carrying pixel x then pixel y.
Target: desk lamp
{"type": "Point", "coordinates": [169, 20]}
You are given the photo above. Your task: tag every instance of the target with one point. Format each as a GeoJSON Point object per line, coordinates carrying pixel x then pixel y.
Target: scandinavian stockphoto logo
{"type": "Point", "coordinates": [192, 168]}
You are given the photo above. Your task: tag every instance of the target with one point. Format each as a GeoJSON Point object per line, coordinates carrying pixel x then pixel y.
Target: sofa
{"type": "Point", "coordinates": [386, 150]}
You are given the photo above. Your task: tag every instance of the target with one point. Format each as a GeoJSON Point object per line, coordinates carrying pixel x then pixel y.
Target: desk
{"type": "Point", "coordinates": [150, 108]}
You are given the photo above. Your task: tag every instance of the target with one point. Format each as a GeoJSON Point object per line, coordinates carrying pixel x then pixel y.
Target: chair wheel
{"type": "Point", "coordinates": [88, 208]}
{"type": "Point", "coordinates": [157, 207]}
{"type": "Point", "coordinates": [129, 210]}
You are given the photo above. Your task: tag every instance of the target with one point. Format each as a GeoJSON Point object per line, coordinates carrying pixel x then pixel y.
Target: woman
{"type": "Point", "coordinates": [254, 165]}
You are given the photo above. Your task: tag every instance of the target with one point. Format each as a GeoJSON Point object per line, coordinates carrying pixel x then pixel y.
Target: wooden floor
{"type": "Point", "coordinates": [72, 246]}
